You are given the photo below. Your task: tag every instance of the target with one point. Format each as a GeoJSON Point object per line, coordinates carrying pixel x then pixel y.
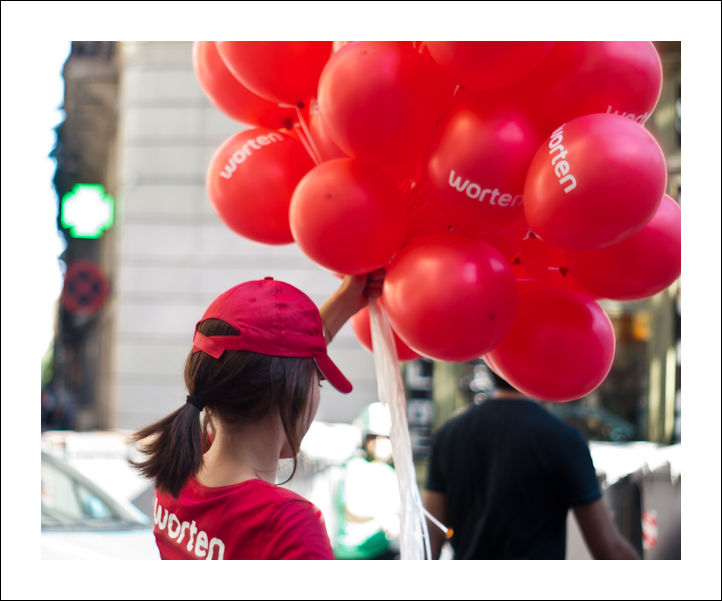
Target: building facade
{"type": "Point", "coordinates": [168, 254]}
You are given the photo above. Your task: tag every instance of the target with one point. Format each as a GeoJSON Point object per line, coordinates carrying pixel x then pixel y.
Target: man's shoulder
{"type": "Point", "coordinates": [457, 419]}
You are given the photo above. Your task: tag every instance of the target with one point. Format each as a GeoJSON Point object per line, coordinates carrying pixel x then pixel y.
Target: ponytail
{"type": "Point", "coordinates": [174, 449]}
{"type": "Point", "coordinates": [239, 387]}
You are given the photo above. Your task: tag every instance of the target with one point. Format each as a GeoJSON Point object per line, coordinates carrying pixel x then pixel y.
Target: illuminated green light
{"type": "Point", "coordinates": [86, 211]}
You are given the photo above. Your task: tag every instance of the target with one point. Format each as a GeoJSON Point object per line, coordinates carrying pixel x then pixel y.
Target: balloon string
{"type": "Point", "coordinates": [413, 532]}
{"type": "Point", "coordinates": [448, 532]}
{"type": "Point", "coordinates": [316, 154]}
{"type": "Point", "coordinates": [305, 143]}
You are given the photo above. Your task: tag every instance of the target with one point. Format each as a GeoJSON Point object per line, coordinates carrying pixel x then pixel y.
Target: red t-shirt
{"type": "Point", "coordinates": [250, 520]}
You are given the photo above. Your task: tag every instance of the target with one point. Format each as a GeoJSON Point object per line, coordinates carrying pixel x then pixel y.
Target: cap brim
{"type": "Point", "coordinates": [333, 374]}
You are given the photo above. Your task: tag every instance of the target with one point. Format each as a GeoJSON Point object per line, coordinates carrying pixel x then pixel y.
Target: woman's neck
{"type": "Point", "coordinates": [242, 453]}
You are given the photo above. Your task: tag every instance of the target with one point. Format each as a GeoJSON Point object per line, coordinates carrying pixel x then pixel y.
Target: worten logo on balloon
{"type": "Point", "coordinates": [561, 168]}
{"type": "Point", "coordinates": [474, 191]}
{"type": "Point", "coordinates": [246, 150]}
{"type": "Point", "coordinates": [636, 118]}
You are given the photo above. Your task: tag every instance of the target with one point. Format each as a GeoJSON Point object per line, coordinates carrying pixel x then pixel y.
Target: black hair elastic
{"type": "Point", "coordinates": [196, 402]}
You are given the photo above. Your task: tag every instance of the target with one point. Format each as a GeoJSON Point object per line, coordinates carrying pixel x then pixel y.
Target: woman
{"type": "Point", "coordinates": [258, 359]}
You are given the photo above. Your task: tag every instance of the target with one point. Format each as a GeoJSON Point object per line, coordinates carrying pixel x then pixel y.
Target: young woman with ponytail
{"type": "Point", "coordinates": [258, 358]}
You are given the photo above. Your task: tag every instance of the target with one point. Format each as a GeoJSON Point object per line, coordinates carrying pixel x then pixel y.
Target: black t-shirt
{"type": "Point", "coordinates": [510, 471]}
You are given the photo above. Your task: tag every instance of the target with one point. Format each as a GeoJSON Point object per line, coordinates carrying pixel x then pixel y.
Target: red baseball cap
{"type": "Point", "coordinates": [273, 318]}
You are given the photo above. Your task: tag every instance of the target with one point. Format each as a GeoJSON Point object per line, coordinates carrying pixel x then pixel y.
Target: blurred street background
{"type": "Point", "coordinates": [148, 253]}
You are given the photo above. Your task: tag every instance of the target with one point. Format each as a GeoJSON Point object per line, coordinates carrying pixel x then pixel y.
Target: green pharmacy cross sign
{"type": "Point", "coordinates": [86, 211]}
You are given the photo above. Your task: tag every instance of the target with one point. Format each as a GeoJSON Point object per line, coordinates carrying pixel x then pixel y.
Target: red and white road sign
{"type": "Point", "coordinates": [85, 288]}
{"type": "Point", "coordinates": [650, 529]}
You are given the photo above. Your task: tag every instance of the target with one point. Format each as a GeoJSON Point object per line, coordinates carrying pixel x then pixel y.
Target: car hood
{"type": "Point", "coordinates": [128, 544]}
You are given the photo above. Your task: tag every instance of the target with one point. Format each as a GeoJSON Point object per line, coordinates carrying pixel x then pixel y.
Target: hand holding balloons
{"type": "Point", "coordinates": [361, 325]}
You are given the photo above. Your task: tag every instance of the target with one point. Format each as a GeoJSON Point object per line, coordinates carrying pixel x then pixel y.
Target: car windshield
{"type": "Point", "coordinates": [70, 501]}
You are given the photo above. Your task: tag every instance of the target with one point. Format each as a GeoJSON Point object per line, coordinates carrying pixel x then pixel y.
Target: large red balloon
{"type": "Point", "coordinates": [347, 216]}
{"type": "Point", "coordinates": [450, 297]}
{"type": "Point", "coordinates": [282, 72]}
{"type": "Point", "coordinates": [251, 179]}
{"type": "Point", "coordinates": [230, 96]}
{"type": "Point", "coordinates": [560, 348]}
{"type": "Point", "coordinates": [380, 101]}
{"type": "Point", "coordinates": [584, 77]}
{"type": "Point", "coordinates": [477, 165]}
{"type": "Point", "coordinates": [639, 267]}
{"type": "Point", "coordinates": [361, 325]}
{"type": "Point", "coordinates": [597, 181]}
{"type": "Point", "coordinates": [487, 65]}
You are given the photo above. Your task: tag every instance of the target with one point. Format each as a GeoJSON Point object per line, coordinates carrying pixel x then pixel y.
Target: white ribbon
{"type": "Point", "coordinates": [414, 535]}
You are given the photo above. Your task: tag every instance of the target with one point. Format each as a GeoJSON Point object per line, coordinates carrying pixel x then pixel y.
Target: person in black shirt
{"type": "Point", "coordinates": [503, 475]}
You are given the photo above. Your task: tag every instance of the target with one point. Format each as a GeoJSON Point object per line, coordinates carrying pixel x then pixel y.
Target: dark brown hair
{"type": "Point", "coordinates": [239, 387]}
{"type": "Point", "coordinates": [500, 383]}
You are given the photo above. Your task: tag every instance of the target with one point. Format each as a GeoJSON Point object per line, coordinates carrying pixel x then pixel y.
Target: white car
{"type": "Point", "coordinates": [80, 520]}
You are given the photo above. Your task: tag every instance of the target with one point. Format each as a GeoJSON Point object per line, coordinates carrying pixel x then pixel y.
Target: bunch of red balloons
{"type": "Point", "coordinates": [505, 186]}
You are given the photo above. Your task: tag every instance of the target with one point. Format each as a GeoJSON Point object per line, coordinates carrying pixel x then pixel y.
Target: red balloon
{"type": "Point", "coordinates": [560, 348]}
{"type": "Point", "coordinates": [380, 100]}
{"type": "Point", "coordinates": [323, 142]}
{"type": "Point", "coordinates": [477, 165]}
{"type": "Point", "coordinates": [361, 324]}
{"type": "Point", "coordinates": [250, 181]}
{"type": "Point", "coordinates": [639, 267]}
{"type": "Point", "coordinates": [230, 96]}
{"type": "Point", "coordinates": [282, 72]}
{"type": "Point", "coordinates": [581, 78]}
{"type": "Point", "coordinates": [597, 181]}
{"type": "Point", "coordinates": [347, 216]}
{"type": "Point", "coordinates": [450, 297]}
{"type": "Point", "coordinates": [557, 278]}
{"type": "Point", "coordinates": [487, 65]}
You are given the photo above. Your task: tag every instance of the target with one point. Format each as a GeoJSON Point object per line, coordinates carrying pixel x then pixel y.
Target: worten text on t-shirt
{"type": "Point", "coordinates": [187, 533]}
